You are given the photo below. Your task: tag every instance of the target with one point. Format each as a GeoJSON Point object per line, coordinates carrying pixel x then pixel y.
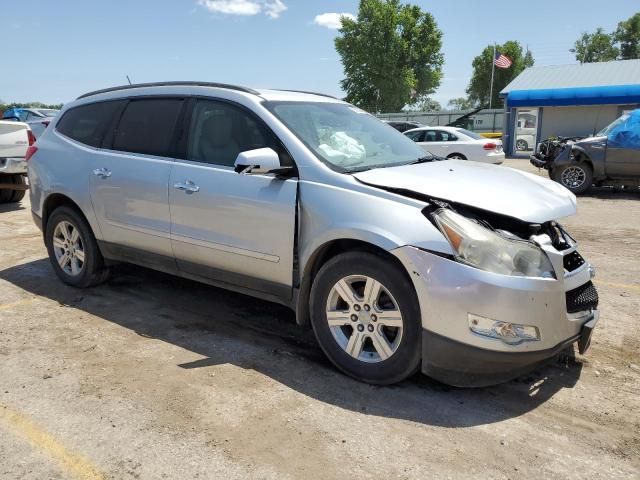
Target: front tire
{"type": "Point", "coordinates": [521, 145]}
{"type": "Point", "coordinates": [366, 318]}
{"type": "Point", "coordinates": [73, 250]}
{"type": "Point", "coordinates": [577, 177]}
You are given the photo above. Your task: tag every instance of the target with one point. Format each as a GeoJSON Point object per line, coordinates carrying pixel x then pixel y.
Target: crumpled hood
{"type": "Point", "coordinates": [494, 188]}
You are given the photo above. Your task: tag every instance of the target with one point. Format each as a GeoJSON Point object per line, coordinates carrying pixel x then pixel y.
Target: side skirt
{"type": "Point", "coordinates": [243, 284]}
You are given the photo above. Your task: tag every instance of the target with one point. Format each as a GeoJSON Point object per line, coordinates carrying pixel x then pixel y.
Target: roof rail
{"type": "Point", "coordinates": [169, 84]}
{"type": "Point", "coordinates": [309, 93]}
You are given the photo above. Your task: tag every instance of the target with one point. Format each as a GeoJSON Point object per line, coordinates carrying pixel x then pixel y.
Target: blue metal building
{"type": "Point", "coordinates": [567, 100]}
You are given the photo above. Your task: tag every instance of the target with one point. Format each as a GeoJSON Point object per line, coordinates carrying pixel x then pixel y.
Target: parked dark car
{"type": "Point", "coordinates": [609, 158]}
{"type": "Point", "coordinates": [403, 126]}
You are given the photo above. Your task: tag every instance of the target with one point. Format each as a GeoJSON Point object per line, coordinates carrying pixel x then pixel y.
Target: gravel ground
{"type": "Point", "coordinates": [151, 376]}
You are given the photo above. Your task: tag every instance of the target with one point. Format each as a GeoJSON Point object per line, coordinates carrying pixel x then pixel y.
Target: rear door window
{"type": "Point", "coordinates": [88, 123]}
{"type": "Point", "coordinates": [148, 126]}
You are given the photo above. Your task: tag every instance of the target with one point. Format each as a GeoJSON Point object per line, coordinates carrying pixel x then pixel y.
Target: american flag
{"type": "Point", "coordinates": [502, 61]}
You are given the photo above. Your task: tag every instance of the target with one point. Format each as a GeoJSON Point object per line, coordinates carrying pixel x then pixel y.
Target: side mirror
{"type": "Point", "coordinates": [258, 162]}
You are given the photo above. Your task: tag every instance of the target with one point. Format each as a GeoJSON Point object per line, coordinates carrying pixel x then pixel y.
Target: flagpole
{"type": "Point", "coordinates": [493, 67]}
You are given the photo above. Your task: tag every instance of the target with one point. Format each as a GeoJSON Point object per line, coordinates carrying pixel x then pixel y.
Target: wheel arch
{"type": "Point", "coordinates": [56, 200]}
{"type": "Point", "coordinates": [322, 254]}
{"type": "Point", "coordinates": [462, 155]}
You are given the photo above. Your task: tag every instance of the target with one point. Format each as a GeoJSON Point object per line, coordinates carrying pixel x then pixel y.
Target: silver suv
{"type": "Point", "coordinates": [398, 260]}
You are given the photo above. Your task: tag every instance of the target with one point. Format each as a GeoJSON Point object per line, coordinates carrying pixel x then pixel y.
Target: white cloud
{"type": "Point", "coordinates": [274, 9]}
{"type": "Point", "coordinates": [331, 20]}
{"type": "Point", "coordinates": [271, 8]}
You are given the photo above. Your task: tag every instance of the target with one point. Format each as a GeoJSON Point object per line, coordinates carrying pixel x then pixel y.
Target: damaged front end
{"type": "Point", "coordinates": [553, 150]}
{"type": "Point", "coordinates": [513, 295]}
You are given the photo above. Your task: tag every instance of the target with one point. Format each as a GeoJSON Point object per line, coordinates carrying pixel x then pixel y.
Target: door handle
{"type": "Point", "coordinates": [187, 187]}
{"type": "Point", "coordinates": [102, 172]}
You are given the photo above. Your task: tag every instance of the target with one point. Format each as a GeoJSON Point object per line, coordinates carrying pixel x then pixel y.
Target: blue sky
{"type": "Point", "coordinates": [52, 51]}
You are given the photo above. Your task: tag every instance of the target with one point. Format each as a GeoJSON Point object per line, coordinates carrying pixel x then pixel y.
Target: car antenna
{"type": "Point", "coordinates": [128, 79]}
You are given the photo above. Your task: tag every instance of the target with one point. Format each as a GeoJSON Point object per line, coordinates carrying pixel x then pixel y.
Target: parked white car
{"type": "Point", "coordinates": [15, 139]}
{"type": "Point", "coordinates": [458, 143]}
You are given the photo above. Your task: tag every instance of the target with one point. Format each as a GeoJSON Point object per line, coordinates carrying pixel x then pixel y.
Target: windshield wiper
{"type": "Point", "coordinates": [425, 159]}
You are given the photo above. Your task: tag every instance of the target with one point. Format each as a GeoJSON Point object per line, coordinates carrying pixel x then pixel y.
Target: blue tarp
{"type": "Point", "coordinates": [626, 134]}
{"type": "Point", "coordinates": [549, 97]}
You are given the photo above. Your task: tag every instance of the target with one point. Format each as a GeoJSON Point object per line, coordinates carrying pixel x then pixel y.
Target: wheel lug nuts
{"type": "Point", "coordinates": [354, 318]}
{"type": "Point", "coordinates": [360, 328]}
{"type": "Point", "coordinates": [374, 318]}
{"type": "Point", "coordinates": [370, 328]}
{"type": "Point", "coordinates": [367, 308]}
{"type": "Point", "coordinates": [356, 308]}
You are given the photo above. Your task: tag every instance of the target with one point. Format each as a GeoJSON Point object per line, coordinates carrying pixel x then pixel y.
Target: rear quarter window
{"type": "Point", "coordinates": [88, 124]}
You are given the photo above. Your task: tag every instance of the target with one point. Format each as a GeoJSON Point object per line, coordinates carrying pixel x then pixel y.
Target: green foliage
{"type": "Point", "coordinates": [7, 106]}
{"type": "Point", "coordinates": [480, 83]}
{"type": "Point", "coordinates": [595, 47]}
{"type": "Point", "coordinates": [390, 54]}
{"type": "Point", "coordinates": [424, 104]}
{"type": "Point", "coordinates": [461, 103]}
{"type": "Point", "coordinates": [628, 37]}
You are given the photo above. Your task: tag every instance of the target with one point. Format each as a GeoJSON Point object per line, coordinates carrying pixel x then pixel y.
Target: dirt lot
{"type": "Point", "coordinates": [151, 376]}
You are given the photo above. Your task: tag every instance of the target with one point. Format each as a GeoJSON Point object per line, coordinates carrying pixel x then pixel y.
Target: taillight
{"type": "Point", "coordinates": [32, 137]}
{"type": "Point", "coordinates": [30, 152]}
{"type": "Point", "coordinates": [489, 146]}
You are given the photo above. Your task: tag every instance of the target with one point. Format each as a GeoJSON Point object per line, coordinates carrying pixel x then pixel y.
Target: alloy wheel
{"type": "Point", "coordinates": [573, 177]}
{"type": "Point", "coordinates": [68, 248]}
{"type": "Point", "coordinates": [364, 318]}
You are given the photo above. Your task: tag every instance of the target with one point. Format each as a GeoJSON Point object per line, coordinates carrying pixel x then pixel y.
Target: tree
{"type": "Point", "coordinates": [7, 106]}
{"type": "Point", "coordinates": [461, 103]}
{"type": "Point", "coordinates": [424, 104]}
{"type": "Point", "coordinates": [595, 47]}
{"type": "Point", "coordinates": [390, 54]}
{"type": "Point", "coordinates": [480, 83]}
{"type": "Point", "coordinates": [628, 37]}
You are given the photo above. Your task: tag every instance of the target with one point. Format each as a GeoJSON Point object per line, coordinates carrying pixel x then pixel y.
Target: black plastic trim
{"type": "Point", "coordinates": [462, 365]}
{"type": "Point", "coordinates": [170, 84]}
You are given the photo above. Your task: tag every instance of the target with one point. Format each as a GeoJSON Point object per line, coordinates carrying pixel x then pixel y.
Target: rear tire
{"type": "Point", "coordinates": [375, 339]}
{"type": "Point", "coordinates": [18, 195]}
{"type": "Point", "coordinates": [521, 145]}
{"type": "Point", "coordinates": [456, 156]}
{"type": "Point", "coordinates": [576, 177]}
{"type": "Point", "coordinates": [12, 196]}
{"type": "Point", "coordinates": [73, 250]}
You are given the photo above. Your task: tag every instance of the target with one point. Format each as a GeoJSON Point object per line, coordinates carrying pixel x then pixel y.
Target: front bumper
{"type": "Point", "coordinates": [13, 165]}
{"type": "Point", "coordinates": [448, 292]}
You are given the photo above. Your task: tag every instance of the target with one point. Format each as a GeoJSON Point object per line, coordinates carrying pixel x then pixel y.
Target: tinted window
{"type": "Point", "coordinates": [147, 126]}
{"type": "Point", "coordinates": [415, 136]}
{"type": "Point", "coordinates": [439, 136]}
{"type": "Point", "coordinates": [220, 131]}
{"type": "Point", "coordinates": [88, 123]}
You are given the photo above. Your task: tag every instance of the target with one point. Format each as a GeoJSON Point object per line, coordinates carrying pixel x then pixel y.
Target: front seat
{"type": "Point", "coordinates": [217, 144]}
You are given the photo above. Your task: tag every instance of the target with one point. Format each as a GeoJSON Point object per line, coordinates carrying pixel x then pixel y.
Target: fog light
{"type": "Point", "coordinates": [510, 333]}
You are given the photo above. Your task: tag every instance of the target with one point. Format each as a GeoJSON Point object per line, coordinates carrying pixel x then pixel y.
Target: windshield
{"type": "Point", "coordinates": [47, 112]}
{"type": "Point", "coordinates": [470, 134]}
{"type": "Point", "coordinates": [346, 137]}
{"type": "Point", "coordinates": [606, 130]}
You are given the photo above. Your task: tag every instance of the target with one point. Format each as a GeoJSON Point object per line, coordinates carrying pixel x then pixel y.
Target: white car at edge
{"type": "Point", "coordinates": [453, 142]}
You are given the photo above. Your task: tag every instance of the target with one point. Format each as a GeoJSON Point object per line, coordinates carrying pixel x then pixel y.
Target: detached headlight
{"type": "Point", "coordinates": [487, 250]}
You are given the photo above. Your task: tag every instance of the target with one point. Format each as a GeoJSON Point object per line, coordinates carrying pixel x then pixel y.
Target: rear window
{"type": "Point", "coordinates": [88, 123]}
{"type": "Point", "coordinates": [147, 126]}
